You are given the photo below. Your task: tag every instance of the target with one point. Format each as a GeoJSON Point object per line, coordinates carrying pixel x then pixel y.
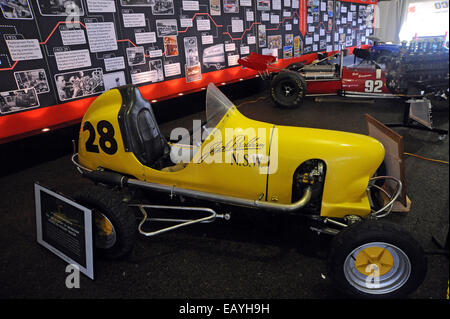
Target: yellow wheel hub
{"type": "Point", "coordinates": [103, 225]}
{"type": "Point", "coordinates": [378, 256]}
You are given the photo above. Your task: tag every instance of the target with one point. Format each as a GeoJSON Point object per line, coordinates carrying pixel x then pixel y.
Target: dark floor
{"type": "Point", "coordinates": [248, 257]}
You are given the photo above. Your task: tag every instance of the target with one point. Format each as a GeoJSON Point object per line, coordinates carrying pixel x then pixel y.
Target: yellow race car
{"type": "Point", "coordinates": [328, 176]}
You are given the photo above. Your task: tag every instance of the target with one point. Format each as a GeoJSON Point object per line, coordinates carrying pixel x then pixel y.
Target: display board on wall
{"type": "Point", "coordinates": [58, 51]}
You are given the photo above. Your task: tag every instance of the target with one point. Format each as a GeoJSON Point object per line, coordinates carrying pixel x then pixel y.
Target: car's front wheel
{"type": "Point", "coordinates": [288, 89]}
{"type": "Point", "coordinates": [373, 259]}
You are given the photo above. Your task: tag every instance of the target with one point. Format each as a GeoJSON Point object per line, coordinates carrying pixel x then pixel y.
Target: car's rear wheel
{"type": "Point", "coordinates": [288, 89]}
{"type": "Point", "coordinates": [114, 224]}
{"type": "Point", "coordinates": [374, 259]}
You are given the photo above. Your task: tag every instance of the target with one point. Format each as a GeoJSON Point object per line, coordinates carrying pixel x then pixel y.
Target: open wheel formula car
{"type": "Point", "coordinates": [409, 74]}
{"type": "Point", "coordinates": [329, 177]}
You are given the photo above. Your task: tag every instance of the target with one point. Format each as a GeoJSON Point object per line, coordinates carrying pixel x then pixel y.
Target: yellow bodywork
{"type": "Point", "coordinates": [351, 159]}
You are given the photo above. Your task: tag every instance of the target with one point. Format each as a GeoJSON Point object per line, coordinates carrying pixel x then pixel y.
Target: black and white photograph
{"type": "Point", "coordinates": [113, 80]}
{"type": "Point", "coordinates": [163, 7]}
{"type": "Point", "coordinates": [16, 9]}
{"type": "Point", "coordinates": [60, 7]}
{"type": "Point", "coordinates": [36, 79]}
{"type": "Point", "coordinates": [137, 3]}
{"type": "Point", "coordinates": [230, 6]}
{"type": "Point", "coordinates": [135, 56]}
{"type": "Point", "coordinates": [191, 51]}
{"type": "Point", "coordinates": [156, 65]}
{"type": "Point", "coordinates": [166, 27]}
{"type": "Point", "coordinates": [18, 100]}
{"type": "Point", "coordinates": [77, 84]}
{"type": "Point", "coordinates": [369, 15]}
{"type": "Point", "coordinates": [214, 57]}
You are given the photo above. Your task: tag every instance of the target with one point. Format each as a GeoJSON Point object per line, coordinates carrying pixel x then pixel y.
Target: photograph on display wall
{"type": "Point", "coordinates": [16, 9]}
{"type": "Point", "coordinates": [298, 46]}
{"type": "Point", "coordinates": [287, 52]}
{"type": "Point", "coordinates": [193, 73]}
{"type": "Point", "coordinates": [36, 79]}
{"type": "Point", "coordinates": [274, 42]}
{"type": "Point", "coordinates": [137, 3]}
{"type": "Point", "coordinates": [191, 51]}
{"type": "Point", "coordinates": [337, 9]}
{"type": "Point", "coordinates": [135, 56]}
{"type": "Point", "coordinates": [18, 100]}
{"type": "Point", "coordinates": [113, 80]}
{"type": "Point", "coordinates": [60, 7]}
{"type": "Point", "coordinates": [77, 84]}
{"type": "Point", "coordinates": [369, 14]}
{"type": "Point", "coordinates": [215, 7]}
{"type": "Point", "coordinates": [166, 27]}
{"type": "Point", "coordinates": [230, 6]}
{"type": "Point", "coordinates": [170, 46]}
{"type": "Point", "coordinates": [313, 9]}
{"type": "Point", "coordinates": [263, 5]}
{"type": "Point", "coordinates": [214, 56]}
{"type": "Point", "coordinates": [262, 40]}
{"type": "Point", "coordinates": [163, 7]}
{"type": "Point", "coordinates": [157, 66]}
{"type": "Point", "coordinates": [289, 39]}
{"type": "Point", "coordinates": [330, 8]}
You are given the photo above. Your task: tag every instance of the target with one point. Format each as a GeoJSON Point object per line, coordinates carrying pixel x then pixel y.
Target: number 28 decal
{"type": "Point", "coordinates": [372, 86]}
{"type": "Point", "coordinates": [106, 142]}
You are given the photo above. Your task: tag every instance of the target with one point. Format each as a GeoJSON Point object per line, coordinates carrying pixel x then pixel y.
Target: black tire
{"type": "Point", "coordinates": [288, 89]}
{"type": "Point", "coordinates": [296, 66]}
{"type": "Point", "coordinates": [365, 233]}
{"type": "Point", "coordinates": [120, 241]}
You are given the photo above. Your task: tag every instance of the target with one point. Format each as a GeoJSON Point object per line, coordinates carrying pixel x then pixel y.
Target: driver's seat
{"type": "Point", "coordinates": [140, 132]}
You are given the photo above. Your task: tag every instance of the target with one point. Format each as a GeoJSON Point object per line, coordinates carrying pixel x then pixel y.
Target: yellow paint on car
{"type": "Point", "coordinates": [351, 159]}
{"type": "Point", "coordinates": [378, 256]}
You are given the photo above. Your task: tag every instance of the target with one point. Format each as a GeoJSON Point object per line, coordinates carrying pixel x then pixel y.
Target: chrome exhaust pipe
{"type": "Point", "coordinates": [112, 178]}
{"type": "Point", "coordinates": [224, 199]}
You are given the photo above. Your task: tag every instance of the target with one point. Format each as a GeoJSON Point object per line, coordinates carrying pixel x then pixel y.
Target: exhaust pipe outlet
{"type": "Point", "coordinates": [108, 178]}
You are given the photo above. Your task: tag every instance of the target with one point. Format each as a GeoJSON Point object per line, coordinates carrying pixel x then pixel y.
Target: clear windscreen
{"type": "Point", "coordinates": [217, 105]}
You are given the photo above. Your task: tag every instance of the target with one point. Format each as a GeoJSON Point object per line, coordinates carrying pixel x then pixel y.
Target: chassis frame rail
{"type": "Point", "coordinates": [212, 215]}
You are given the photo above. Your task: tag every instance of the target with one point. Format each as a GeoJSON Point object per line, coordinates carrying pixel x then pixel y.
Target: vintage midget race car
{"type": "Point", "coordinates": [407, 74]}
{"type": "Point", "coordinates": [328, 177]}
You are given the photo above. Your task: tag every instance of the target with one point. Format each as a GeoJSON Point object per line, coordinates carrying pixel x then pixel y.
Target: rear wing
{"type": "Point", "coordinates": [257, 62]}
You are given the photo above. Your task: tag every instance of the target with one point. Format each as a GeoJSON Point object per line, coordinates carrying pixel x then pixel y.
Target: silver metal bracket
{"type": "Point", "coordinates": [387, 208]}
{"type": "Point", "coordinates": [212, 215]}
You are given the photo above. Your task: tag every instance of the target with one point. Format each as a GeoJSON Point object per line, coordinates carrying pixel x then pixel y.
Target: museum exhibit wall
{"type": "Point", "coordinates": [58, 55]}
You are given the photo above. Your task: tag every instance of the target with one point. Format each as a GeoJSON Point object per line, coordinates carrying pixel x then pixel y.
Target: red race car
{"type": "Point", "coordinates": [410, 74]}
